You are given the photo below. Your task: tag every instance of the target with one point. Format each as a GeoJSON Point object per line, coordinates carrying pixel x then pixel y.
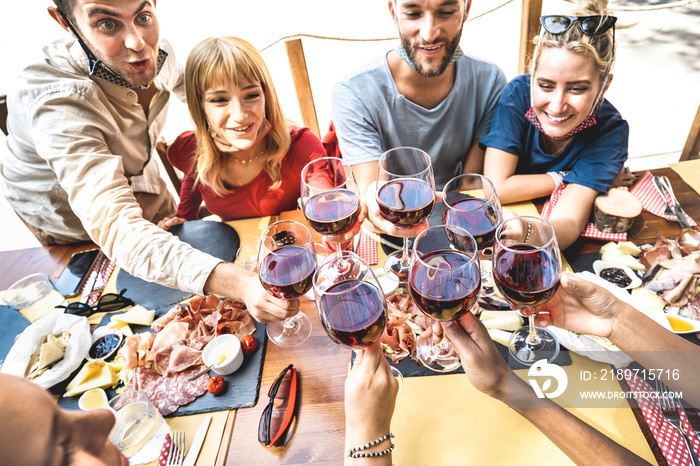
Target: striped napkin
{"type": "Point", "coordinates": [652, 201]}
{"type": "Point", "coordinates": [669, 440]}
{"type": "Point", "coordinates": [589, 231]}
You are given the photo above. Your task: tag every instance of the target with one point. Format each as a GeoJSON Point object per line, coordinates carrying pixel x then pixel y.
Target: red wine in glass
{"type": "Point", "coordinates": [477, 216]}
{"type": "Point", "coordinates": [333, 213]}
{"type": "Point", "coordinates": [406, 202]}
{"type": "Point", "coordinates": [288, 273]}
{"type": "Point", "coordinates": [528, 278]}
{"type": "Point", "coordinates": [353, 313]}
{"type": "Point", "coordinates": [448, 297]}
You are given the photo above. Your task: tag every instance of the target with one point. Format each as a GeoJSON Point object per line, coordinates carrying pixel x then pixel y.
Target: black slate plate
{"type": "Point", "coordinates": [12, 323]}
{"type": "Point", "coordinates": [242, 387]}
{"type": "Point", "coordinates": [215, 238]}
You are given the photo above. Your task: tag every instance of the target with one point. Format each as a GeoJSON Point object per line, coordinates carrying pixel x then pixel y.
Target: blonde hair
{"type": "Point", "coordinates": [218, 61]}
{"type": "Point", "coordinates": [600, 47]}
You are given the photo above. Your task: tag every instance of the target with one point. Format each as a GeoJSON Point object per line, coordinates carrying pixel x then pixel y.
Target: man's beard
{"type": "Point", "coordinates": [450, 48]}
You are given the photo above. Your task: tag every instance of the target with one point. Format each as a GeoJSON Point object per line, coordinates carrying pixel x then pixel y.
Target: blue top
{"type": "Point", "coordinates": [594, 157]}
{"type": "Point", "coordinates": [371, 116]}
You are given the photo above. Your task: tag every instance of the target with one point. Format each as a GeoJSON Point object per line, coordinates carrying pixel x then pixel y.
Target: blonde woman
{"type": "Point", "coordinates": [555, 125]}
{"type": "Point", "coordinates": [243, 159]}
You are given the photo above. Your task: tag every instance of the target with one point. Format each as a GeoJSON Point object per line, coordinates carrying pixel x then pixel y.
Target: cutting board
{"type": "Point", "coordinates": [242, 387]}
{"type": "Point", "coordinates": [215, 238]}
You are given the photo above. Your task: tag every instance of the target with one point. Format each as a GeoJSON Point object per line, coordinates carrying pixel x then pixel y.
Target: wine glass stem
{"type": "Point", "coordinates": [405, 254]}
{"type": "Point", "coordinates": [289, 324]}
{"type": "Point", "coordinates": [532, 338]}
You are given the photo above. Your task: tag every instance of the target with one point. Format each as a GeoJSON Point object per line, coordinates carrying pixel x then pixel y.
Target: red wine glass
{"type": "Point", "coordinates": [351, 303]}
{"type": "Point", "coordinates": [286, 266]}
{"type": "Point", "coordinates": [527, 270]}
{"type": "Point", "coordinates": [444, 283]}
{"type": "Point", "coordinates": [406, 197]}
{"type": "Point", "coordinates": [330, 200]}
{"type": "Point", "coordinates": [470, 202]}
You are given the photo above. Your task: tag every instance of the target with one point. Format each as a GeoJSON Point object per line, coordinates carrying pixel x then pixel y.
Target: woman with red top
{"type": "Point", "coordinates": [243, 159]}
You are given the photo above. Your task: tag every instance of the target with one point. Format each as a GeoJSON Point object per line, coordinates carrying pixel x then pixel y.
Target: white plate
{"type": "Point", "coordinates": [683, 324]}
{"type": "Point", "coordinates": [599, 266]}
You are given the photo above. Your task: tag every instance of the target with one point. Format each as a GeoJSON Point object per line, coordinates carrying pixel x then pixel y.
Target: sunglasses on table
{"type": "Point", "coordinates": [276, 419]}
{"type": "Point", "coordinates": [108, 302]}
{"type": "Point", "coordinates": [590, 25]}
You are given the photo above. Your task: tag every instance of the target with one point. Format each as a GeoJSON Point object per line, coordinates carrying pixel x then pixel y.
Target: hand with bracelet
{"type": "Point", "coordinates": [370, 396]}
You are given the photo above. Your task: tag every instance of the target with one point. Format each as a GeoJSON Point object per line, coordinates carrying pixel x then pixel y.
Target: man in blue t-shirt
{"type": "Point", "coordinates": [424, 94]}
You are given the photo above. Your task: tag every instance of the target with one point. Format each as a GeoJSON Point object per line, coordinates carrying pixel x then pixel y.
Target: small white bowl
{"type": "Point", "coordinates": [102, 332]}
{"type": "Point", "coordinates": [223, 354]}
{"type": "Point", "coordinates": [599, 266]}
{"type": "Point", "coordinates": [93, 399]}
{"type": "Point", "coordinates": [388, 283]}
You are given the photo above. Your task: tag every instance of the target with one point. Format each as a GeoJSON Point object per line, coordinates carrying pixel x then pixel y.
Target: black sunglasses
{"type": "Point", "coordinates": [107, 303]}
{"type": "Point", "coordinates": [277, 416]}
{"type": "Point", "coordinates": [589, 25]}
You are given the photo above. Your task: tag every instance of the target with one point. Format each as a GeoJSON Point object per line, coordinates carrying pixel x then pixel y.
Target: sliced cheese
{"type": "Point", "coordinates": [108, 376]}
{"type": "Point", "coordinates": [121, 327]}
{"type": "Point", "coordinates": [616, 256]}
{"type": "Point", "coordinates": [137, 315]}
{"type": "Point", "coordinates": [500, 336]}
{"type": "Point", "coordinates": [50, 353]}
{"type": "Point", "coordinates": [629, 247]}
{"type": "Point", "coordinates": [88, 370]}
{"type": "Point", "coordinates": [647, 300]}
{"type": "Point", "coordinates": [511, 322]}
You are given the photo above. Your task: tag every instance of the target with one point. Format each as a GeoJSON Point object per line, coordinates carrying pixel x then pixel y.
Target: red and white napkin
{"type": "Point", "coordinates": [367, 247]}
{"type": "Point", "coordinates": [669, 440]}
{"type": "Point", "coordinates": [165, 451]}
{"type": "Point", "coordinates": [590, 231]}
{"type": "Point", "coordinates": [652, 201]}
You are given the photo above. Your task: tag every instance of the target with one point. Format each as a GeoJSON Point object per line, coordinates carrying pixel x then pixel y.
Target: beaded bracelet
{"type": "Point", "coordinates": [529, 230]}
{"type": "Point", "coordinates": [372, 455]}
{"type": "Point", "coordinates": [353, 451]}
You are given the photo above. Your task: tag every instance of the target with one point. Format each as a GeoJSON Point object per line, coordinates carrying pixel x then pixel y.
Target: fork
{"type": "Point", "coordinates": [676, 205]}
{"type": "Point", "coordinates": [669, 408]}
{"type": "Point", "coordinates": [176, 455]}
{"type": "Point", "coordinates": [660, 188]}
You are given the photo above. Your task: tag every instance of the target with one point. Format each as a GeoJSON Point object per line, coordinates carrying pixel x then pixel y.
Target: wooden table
{"type": "Point", "coordinates": [322, 365]}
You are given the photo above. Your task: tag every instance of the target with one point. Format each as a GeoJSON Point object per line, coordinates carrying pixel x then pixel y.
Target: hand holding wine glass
{"type": "Point", "coordinates": [286, 265]}
{"type": "Point", "coordinates": [405, 194]}
{"type": "Point", "coordinates": [351, 303]}
{"type": "Point", "coordinates": [527, 270]}
{"type": "Point", "coordinates": [445, 280]}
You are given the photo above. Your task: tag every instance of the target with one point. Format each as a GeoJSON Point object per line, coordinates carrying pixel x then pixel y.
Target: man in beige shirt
{"type": "Point", "coordinates": [82, 123]}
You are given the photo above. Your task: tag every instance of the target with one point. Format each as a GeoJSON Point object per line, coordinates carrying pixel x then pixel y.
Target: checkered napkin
{"type": "Point", "coordinates": [652, 201]}
{"type": "Point", "coordinates": [669, 440]}
{"type": "Point", "coordinates": [165, 451]}
{"type": "Point", "coordinates": [367, 247]}
{"type": "Point", "coordinates": [104, 278]}
{"type": "Point", "coordinates": [589, 231]}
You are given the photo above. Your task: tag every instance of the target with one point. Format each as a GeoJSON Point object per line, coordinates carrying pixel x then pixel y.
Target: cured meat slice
{"type": "Point", "coordinates": [182, 357]}
{"type": "Point", "coordinates": [160, 399]}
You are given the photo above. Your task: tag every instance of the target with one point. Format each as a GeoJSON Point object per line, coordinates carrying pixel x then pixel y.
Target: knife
{"type": "Point", "coordinates": [196, 445]}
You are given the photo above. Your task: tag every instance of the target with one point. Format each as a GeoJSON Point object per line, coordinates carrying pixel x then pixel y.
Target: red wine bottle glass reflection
{"type": "Point", "coordinates": [406, 196]}
{"type": "Point", "coordinates": [330, 200]}
{"type": "Point", "coordinates": [527, 270]}
{"type": "Point", "coordinates": [470, 202]}
{"type": "Point", "coordinates": [351, 304]}
{"type": "Point", "coordinates": [286, 266]}
{"type": "Point", "coordinates": [445, 281]}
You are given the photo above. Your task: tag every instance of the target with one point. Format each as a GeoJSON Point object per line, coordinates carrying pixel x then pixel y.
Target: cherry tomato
{"type": "Point", "coordinates": [216, 385]}
{"type": "Point", "coordinates": [249, 344]}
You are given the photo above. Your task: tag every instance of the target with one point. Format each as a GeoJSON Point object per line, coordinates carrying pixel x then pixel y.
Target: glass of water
{"type": "Point", "coordinates": [139, 430]}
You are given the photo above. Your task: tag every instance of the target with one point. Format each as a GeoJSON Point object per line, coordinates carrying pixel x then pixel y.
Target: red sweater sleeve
{"type": "Point", "coordinates": [181, 154]}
